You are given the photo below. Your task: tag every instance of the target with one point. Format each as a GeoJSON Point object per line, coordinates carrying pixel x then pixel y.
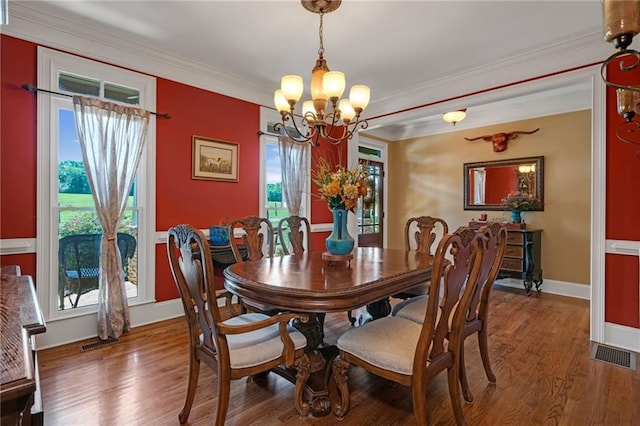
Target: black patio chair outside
{"type": "Point", "coordinates": [79, 263]}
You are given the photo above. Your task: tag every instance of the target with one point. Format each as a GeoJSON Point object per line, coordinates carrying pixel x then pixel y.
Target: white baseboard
{"type": "Point", "coordinates": [69, 330]}
{"type": "Point", "coordinates": [561, 288]}
{"type": "Point", "coordinates": [622, 337]}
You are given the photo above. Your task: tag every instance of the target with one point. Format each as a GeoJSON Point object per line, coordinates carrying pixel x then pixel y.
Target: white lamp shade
{"type": "Point", "coordinates": [454, 116]}
{"type": "Point", "coordinates": [346, 110]}
{"type": "Point", "coordinates": [280, 101]}
{"type": "Point", "coordinates": [333, 84]}
{"type": "Point", "coordinates": [292, 87]}
{"type": "Point", "coordinates": [359, 96]}
{"type": "Point", "coordinates": [308, 111]}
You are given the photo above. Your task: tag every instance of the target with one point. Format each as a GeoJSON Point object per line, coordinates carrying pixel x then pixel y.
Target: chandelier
{"type": "Point", "coordinates": [318, 122]}
{"type": "Point", "coordinates": [621, 24]}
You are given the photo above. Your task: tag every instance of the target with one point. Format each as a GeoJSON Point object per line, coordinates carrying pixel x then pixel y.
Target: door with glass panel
{"type": "Point", "coordinates": [370, 212]}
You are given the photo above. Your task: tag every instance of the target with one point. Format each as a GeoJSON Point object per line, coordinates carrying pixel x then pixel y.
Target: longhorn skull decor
{"type": "Point", "coordinates": [500, 140]}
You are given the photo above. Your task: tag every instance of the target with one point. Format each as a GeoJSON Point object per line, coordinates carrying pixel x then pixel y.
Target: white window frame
{"type": "Point", "coordinates": [49, 63]}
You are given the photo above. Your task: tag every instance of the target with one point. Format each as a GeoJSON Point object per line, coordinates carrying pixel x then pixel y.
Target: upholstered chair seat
{"type": "Point", "coordinates": [259, 346]}
{"type": "Point", "coordinates": [412, 309]}
{"type": "Point", "coordinates": [389, 343]}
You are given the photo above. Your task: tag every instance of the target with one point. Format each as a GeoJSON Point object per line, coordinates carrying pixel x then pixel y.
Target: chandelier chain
{"type": "Point", "coordinates": [320, 32]}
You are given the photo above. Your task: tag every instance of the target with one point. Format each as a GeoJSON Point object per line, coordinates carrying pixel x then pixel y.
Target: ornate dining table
{"type": "Point", "coordinates": [313, 285]}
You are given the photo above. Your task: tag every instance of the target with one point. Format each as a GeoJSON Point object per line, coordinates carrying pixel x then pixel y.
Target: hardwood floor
{"type": "Point", "coordinates": [539, 348]}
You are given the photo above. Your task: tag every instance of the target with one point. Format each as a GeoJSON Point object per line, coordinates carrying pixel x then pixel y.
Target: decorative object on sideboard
{"type": "Point", "coordinates": [500, 140]}
{"type": "Point", "coordinates": [454, 117]}
{"type": "Point", "coordinates": [326, 86]}
{"type": "Point", "coordinates": [214, 160]}
{"type": "Point", "coordinates": [621, 24]}
{"type": "Point", "coordinates": [518, 202]}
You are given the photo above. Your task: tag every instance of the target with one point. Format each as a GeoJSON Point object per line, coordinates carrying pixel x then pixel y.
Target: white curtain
{"type": "Point", "coordinates": [479, 182]}
{"type": "Point", "coordinates": [111, 137]}
{"type": "Point", "coordinates": [293, 161]}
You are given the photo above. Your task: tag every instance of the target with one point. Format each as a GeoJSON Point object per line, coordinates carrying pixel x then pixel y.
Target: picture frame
{"type": "Point", "coordinates": [214, 159]}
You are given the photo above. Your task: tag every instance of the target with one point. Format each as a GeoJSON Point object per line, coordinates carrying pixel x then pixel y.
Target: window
{"type": "Point", "coordinates": [272, 203]}
{"type": "Point", "coordinates": [68, 229]}
{"type": "Point", "coordinates": [275, 205]}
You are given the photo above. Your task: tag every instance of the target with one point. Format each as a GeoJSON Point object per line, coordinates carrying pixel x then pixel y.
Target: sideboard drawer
{"type": "Point", "coordinates": [514, 238]}
{"type": "Point", "coordinates": [514, 251]}
{"type": "Point", "coordinates": [512, 264]}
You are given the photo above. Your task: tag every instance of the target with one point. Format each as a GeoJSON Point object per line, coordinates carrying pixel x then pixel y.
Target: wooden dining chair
{"type": "Point", "coordinates": [257, 238]}
{"type": "Point", "coordinates": [494, 239]}
{"type": "Point", "coordinates": [410, 353]}
{"type": "Point", "coordinates": [240, 346]}
{"type": "Point", "coordinates": [258, 242]}
{"type": "Point", "coordinates": [420, 234]}
{"type": "Point", "coordinates": [295, 235]}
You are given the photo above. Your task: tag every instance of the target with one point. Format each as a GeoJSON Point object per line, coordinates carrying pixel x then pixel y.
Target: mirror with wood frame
{"type": "Point", "coordinates": [486, 183]}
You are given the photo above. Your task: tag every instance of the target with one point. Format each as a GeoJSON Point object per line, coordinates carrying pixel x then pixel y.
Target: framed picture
{"type": "Point", "coordinates": [214, 160]}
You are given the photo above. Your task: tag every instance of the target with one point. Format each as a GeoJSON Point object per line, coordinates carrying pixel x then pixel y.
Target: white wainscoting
{"type": "Point", "coordinates": [17, 246]}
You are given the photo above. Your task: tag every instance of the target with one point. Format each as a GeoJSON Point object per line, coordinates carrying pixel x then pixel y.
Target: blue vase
{"type": "Point", "coordinates": [339, 241]}
{"type": "Point", "coordinates": [219, 235]}
{"type": "Point", "coordinates": [515, 216]}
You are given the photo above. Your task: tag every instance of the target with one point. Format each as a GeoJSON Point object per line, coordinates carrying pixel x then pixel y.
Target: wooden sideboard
{"type": "Point", "coordinates": [522, 256]}
{"type": "Point", "coordinates": [20, 320]}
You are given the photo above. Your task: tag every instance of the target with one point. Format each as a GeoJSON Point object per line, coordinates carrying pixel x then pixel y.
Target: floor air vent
{"type": "Point", "coordinates": [98, 344]}
{"type": "Point", "coordinates": [615, 356]}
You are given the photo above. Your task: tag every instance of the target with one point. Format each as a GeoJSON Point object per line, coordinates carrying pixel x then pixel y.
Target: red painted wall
{"type": "Point", "coordinates": [201, 203]}
{"type": "Point", "coordinates": [622, 277]}
{"type": "Point", "coordinates": [622, 292]}
{"type": "Point", "coordinates": [18, 129]}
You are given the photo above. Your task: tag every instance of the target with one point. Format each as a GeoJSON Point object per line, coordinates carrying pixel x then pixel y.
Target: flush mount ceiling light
{"type": "Point", "coordinates": [454, 116]}
{"type": "Point", "coordinates": [621, 24]}
{"type": "Point", "coordinates": [327, 87]}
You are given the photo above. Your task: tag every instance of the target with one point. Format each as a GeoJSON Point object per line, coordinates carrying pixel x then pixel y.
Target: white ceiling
{"type": "Point", "coordinates": [411, 53]}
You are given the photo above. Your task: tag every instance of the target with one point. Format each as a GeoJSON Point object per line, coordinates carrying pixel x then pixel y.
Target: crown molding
{"type": "Point", "coordinates": [28, 23]}
{"type": "Point", "coordinates": [569, 54]}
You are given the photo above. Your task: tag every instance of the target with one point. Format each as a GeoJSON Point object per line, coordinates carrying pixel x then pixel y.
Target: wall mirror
{"type": "Point", "coordinates": [487, 182]}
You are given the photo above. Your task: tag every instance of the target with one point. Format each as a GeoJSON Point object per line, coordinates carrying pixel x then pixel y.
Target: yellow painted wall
{"type": "Point", "coordinates": [425, 178]}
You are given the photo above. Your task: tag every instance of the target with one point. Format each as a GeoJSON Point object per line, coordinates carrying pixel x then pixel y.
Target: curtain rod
{"type": "Point", "coordinates": [35, 90]}
{"type": "Point", "coordinates": [260, 133]}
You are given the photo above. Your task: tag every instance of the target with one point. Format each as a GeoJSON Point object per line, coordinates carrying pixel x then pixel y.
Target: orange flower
{"type": "Point", "coordinates": [341, 187]}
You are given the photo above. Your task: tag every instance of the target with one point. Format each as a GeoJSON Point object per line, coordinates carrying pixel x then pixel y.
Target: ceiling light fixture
{"type": "Point", "coordinates": [327, 87]}
{"type": "Point", "coordinates": [454, 116]}
{"type": "Point", "coordinates": [621, 24]}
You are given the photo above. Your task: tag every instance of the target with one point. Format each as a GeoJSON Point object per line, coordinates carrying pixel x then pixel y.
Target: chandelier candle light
{"type": "Point", "coordinates": [327, 87]}
{"type": "Point", "coordinates": [621, 24]}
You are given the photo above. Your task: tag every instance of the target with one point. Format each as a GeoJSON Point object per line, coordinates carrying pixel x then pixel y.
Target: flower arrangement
{"type": "Point", "coordinates": [340, 187]}
{"type": "Point", "coordinates": [521, 201]}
